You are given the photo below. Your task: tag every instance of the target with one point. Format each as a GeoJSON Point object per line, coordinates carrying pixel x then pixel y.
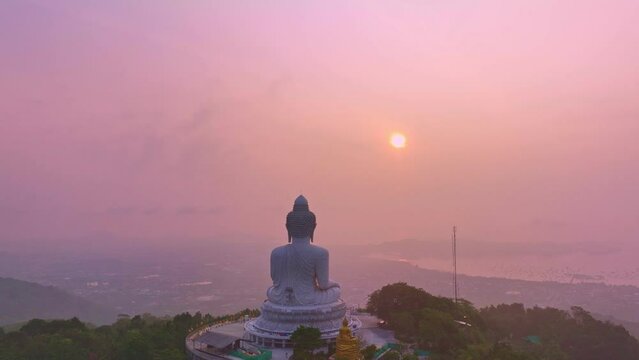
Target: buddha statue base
{"type": "Point", "coordinates": [273, 328]}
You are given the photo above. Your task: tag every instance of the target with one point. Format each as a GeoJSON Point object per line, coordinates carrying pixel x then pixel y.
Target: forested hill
{"type": "Point", "coordinates": [143, 337]}
{"type": "Point", "coordinates": [21, 301]}
{"type": "Point", "coordinates": [421, 322]}
{"type": "Point", "coordinates": [455, 331]}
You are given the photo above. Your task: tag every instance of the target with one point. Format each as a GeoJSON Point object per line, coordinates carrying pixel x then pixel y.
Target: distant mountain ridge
{"type": "Point", "coordinates": [22, 300]}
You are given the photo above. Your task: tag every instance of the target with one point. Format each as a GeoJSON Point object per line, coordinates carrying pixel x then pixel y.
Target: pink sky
{"type": "Point", "coordinates": [155, 119]}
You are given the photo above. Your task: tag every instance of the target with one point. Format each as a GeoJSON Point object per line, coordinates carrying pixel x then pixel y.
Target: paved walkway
{"type": "Point", "coordinates": [371, 333]}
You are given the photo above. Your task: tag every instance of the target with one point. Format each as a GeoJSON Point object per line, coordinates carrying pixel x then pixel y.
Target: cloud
{"type": "Point", "coordinates": [121, 210]}
{"type": "Point", "coordinates": [195, 210]}
{"type": "Point", "coordinates": [152, 211]}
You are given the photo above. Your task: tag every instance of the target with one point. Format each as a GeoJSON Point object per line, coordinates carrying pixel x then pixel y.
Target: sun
{"type": "Point", "coordinates": [398, 140]}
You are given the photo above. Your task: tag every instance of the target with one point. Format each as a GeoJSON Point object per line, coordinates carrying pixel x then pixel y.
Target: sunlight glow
{"type": "Point", "coordinates": [398, 140]}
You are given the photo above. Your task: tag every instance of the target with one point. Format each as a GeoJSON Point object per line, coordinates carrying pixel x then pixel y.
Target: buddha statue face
{"type": "Point", "coordinates": [300, 223]}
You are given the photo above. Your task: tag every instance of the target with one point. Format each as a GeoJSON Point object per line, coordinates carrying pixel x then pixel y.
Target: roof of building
{"type": "Point", "coordinates": [420, 352]}
{"type": "Point", "coordinates": [533, 339]}
{"type": "Point", "coordinates": [216, 340]}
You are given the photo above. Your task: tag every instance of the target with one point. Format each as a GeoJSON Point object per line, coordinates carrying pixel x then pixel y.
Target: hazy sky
{"type": "Point", "coordinates": [182, 119]}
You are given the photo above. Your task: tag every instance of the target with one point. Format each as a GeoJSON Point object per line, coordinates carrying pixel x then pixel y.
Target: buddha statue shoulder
{"type": "Point", "coordinates": [300, 269]}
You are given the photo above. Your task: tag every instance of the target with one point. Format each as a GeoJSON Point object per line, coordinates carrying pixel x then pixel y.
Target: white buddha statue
{"type": "Point", "coordinates": [300, 269]}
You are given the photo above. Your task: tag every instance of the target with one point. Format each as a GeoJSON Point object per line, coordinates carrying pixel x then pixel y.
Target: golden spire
{"type": "Point", "coordinates": [347, 345]}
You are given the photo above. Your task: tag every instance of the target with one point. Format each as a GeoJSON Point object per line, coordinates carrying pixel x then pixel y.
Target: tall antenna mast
{"type": "Point", "coordinates": [455, 261]}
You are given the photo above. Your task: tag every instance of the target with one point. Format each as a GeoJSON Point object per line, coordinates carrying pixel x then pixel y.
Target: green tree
{"type": "Point", "coordinates": [141, 337]}
{"type": "Point", "coordinates": [438, 331]}
{"type": "Point", "coordinates": [500, 351]}
{"type": "Point", "coordinates": [369, 352]}
{"type": "Point", "coordinates": [409, 357]}
{"type": "Point", "coordinates": [391, 355]}
{"type": "Point", "coordinates": [34, 327]}
{"type": "Point", "coordinates": [168, 354]}
{"type": "Point", "coordinates": [398, 297]}
{"type": "Point", "coordinates": [497, 351]}
{"type": "Point", "coordinates": [305, 340]}
{"type": "Point", "coordinates": [404, 324]}
{"type": "Point", "coordinates": [62, 348]}
{"type": "Point", "coordinates": [563, 335]}
{"type": "Point", "coordinates": [135, 345]}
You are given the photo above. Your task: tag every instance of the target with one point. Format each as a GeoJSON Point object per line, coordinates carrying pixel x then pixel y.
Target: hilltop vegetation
{"type": "Point", "coordinates": [140, 338]}
{"type": "Point", "coordinates": [448, 330]}
{"type": "Point", "coordinates": [459, 331]}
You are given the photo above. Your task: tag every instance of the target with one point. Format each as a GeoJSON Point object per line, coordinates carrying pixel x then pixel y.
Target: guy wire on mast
{"type": "Point", "coordinates": [455, 262]}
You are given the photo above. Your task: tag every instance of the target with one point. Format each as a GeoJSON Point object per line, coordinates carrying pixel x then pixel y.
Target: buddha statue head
{"type": "Point", "coordinates": [300, 222]}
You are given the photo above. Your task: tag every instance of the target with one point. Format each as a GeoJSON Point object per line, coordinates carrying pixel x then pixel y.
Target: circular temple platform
{"type": "Point", "coordinates": [274, 327]}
